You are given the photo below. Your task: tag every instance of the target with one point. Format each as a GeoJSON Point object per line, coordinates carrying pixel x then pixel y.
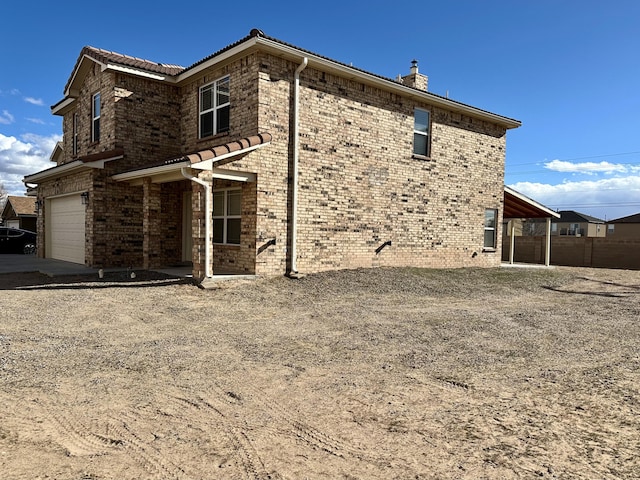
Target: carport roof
{"type": "Point", "coordinates": [517, 205]}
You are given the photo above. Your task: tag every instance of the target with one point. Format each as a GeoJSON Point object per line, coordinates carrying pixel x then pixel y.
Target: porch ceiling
{"type": "Point", "coordinates": [517, 205]}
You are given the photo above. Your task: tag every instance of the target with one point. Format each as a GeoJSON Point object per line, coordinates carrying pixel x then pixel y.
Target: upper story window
{"type": "Point", "coordinates": [95, 118]}
{"type": "Point", "coordinates": [74, 133]}
{"type": "Point", "coordinates": [611, 228]}
{"type": "Point", "coordinates": [227, 209]}
{"type": "Point", "coordinates": [214, 107]}
{"type": "Point", "coordinates": [490, 221]}
{"type": "Point", "coordinates": [421, 133]}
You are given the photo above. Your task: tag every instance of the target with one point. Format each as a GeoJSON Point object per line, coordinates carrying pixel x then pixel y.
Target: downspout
{"type": "Point", "coordinates": [296, 148]}
{"type": "Point", "coordinates": [207, 223]}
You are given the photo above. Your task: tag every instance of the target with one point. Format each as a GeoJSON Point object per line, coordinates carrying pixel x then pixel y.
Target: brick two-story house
{"type": "Point", "coordinates": [265, 158]}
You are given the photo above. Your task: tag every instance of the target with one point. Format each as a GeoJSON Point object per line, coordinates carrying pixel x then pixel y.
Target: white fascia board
{"type": "Point", "coordinates": [66, 169]}
{"type": "Point", "coordinates": [80, 68]}
{"type": "Point", "coordinates": [135, 71]}
{"type": "Point", "coordinates": [149, 172]}
{"type": "Point", "coordinates": [224, 174]}
{"type": "Point", "coordinates": [62, 105]}
{"type": "Point", "coordinates": [530, 201]}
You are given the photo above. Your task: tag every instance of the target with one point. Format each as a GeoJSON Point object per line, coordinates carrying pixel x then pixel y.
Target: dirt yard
{"type": "Point", "coordinates": [365, 374]}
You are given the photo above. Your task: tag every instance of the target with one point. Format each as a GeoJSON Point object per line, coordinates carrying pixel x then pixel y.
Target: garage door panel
{"type": "Point", "coordinates": [66, 229]}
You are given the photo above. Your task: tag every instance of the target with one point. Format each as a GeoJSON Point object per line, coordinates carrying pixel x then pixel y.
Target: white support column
{"type": "Point", "coordinates": [547, 250]}
{"type": "Point", "coordinates": [512, 240]}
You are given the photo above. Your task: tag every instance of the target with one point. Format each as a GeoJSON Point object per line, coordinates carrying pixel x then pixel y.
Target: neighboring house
{"type": "Point", "coordinates": [19, 212]}
{"type": "Point", "coordinates": [625, 227]}
{"type": "Point", "coordinates": [264, 158]}
{"type": "Point", "coordinates": [570, 223]}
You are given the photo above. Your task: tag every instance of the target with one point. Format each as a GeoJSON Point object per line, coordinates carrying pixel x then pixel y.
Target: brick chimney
{"type": "Point", "coordinates": [415, 79]}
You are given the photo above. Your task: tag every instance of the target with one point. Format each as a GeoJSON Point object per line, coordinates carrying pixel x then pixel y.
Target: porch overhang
{"type": "Point", "coordinates": [208, 159]}
{"type": "Point", "coordinates": [517, 205]}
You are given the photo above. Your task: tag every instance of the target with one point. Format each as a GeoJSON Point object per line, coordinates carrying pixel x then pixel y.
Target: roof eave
{"type": "Point", "coordinates": [292, 53]}
{"type": "Point", "coordinates": [67, 169]}
{"type": "Point", "coordinates": [531, 202]}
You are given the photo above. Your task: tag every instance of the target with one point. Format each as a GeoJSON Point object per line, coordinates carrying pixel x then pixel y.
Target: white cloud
{"type": "Point", "coordinates": [34, 101]}
{"type": "Point", "coordinates": [588, 168]}
{"type": "Point", "coordinates": [6, 118]}
{"type": "Point", "coordinates": [605, 198]}
{"type": "Point", "coordinates": [23, 157]}
{"type": "Point", "coordinates": [36, 120]}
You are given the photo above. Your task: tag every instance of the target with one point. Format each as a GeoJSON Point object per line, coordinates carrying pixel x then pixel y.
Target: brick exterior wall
{"type": "Point", "coordinates": [360, 186]}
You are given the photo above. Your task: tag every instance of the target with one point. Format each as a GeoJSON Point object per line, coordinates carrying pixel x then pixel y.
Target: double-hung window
{"type": "Point", "coordinates": [421, 133]}
{"type": "Point", "coordinates": [74, 139]}
{"type": "Point", "coordinates": [214, 107]}
{"type": "Point", "coordinates": [227, 209]}
{"type": "Point", "coordinates": [490, 221]}
{"type": "Point", "coordinates": [95, 118]}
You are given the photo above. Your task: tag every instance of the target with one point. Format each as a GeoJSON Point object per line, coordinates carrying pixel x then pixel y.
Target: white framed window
{"type": "Point", "coordinates": [490, 221]}
{"type": "Point", "coordinates": [74, 138]}
{"type": "Point", "coordinates": [611, 228]}
{"type": "Point", "coordinates": [421, 133]}
{"type": "Point", "coordinates": [95, 118]}
{"type": "Point", "coordinates": [227, 210]}
{"type": "Point", "coordinates": [214, 108]}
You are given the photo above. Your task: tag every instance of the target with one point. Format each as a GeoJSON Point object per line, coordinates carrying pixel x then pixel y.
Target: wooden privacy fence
{"type": "Point", "coordinates": [576, 251]}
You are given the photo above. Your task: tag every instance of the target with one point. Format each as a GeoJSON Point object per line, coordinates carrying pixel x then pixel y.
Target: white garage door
{"type": "Point", "coordinates": [65, 229]}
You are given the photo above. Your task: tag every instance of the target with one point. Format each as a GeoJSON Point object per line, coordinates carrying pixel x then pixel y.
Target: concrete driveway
{"type": "Point", "coordinates": [31, 263]}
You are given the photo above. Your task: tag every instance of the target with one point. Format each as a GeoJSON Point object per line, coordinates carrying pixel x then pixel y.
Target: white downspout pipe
{"type": "Point", "coordinates": [296, 155]}
{"type": "Point", "coordinates": [207, 223]}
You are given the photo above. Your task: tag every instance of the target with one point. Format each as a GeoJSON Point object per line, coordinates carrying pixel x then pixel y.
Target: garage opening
{"type": "Point", "coordinates": [65, 229]}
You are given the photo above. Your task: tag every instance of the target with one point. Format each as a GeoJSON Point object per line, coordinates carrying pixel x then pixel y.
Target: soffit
{"type": "Point", "coordinates": [517, 205]}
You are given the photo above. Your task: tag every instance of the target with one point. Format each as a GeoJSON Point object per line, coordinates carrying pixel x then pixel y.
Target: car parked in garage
{"type": "Point", "coordinates": [16, 240]}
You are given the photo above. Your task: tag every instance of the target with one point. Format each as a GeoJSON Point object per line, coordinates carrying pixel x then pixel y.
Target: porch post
{"type": "Point", "coordinates": [547, 250]}
{"type": "Point", "coordinates": [512, 240]}
{"type": "Point", "coordinates": [151, 224]}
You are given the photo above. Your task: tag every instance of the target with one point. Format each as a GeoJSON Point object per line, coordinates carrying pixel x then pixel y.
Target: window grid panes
{"type": "Point", "coordinates": [227, 209]}
{"type": "Point", "coordinates": [421, 132]}
{"type": "Point", "coordinates": [214, 108]}
{"type": "Point", "coordinates": [490, 220]}
{"type": "Point", "coordinates": [95, 118]}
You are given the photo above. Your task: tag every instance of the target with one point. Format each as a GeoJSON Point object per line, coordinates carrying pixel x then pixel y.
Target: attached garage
{"type": "Point", "coordinates": [65, 228]}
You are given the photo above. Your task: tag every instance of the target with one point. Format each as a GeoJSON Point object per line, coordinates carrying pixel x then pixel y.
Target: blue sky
{"type": "Point", "coordinates": [569, 70]}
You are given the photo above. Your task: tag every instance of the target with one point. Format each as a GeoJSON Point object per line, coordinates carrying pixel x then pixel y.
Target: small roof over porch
{"type": "Point", "coordinates": [207, 159]}
{"type": "Point", "coordinates": [517, 205]}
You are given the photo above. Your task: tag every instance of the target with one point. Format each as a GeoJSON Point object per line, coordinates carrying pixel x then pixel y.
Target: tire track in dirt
{"type": "Point", "coordinates": [310, 435]}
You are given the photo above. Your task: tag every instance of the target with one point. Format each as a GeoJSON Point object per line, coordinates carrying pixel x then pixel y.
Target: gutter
{"type": "Point", "coordinates": [296, 157]}
{"type": "Point", "coordinates": [207, 212]}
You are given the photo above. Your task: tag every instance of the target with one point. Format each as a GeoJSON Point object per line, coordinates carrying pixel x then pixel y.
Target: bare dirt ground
{"type": "Point", "coordinates": [367, 374]}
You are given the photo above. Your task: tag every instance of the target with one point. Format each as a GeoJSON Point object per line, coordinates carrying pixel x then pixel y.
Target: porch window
{"type": "Point", "coordinates": [490, 220]}
{"type": "Point", "coordinates": [95, 118]}
{"type": "Point", "coordinates": [421, 137]}
{"type": "Point", "coordinates": [214, 107]}
{"type": "Point", "coordinates": [227, 209]}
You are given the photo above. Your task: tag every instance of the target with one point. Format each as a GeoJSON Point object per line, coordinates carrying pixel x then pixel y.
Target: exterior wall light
{"type": "Point", "coordinates": [84, 196]}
